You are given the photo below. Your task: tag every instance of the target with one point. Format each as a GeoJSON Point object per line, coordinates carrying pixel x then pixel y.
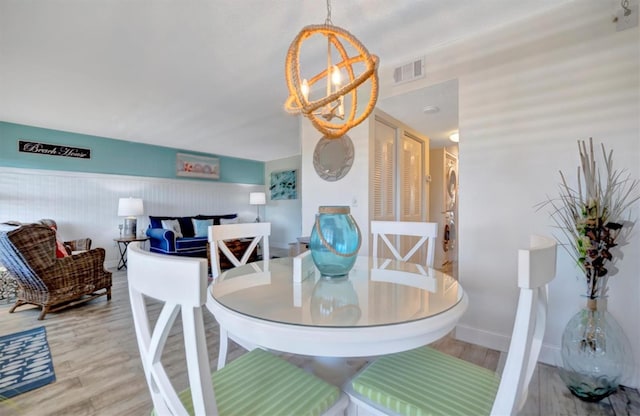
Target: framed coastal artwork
{"type": "Point", "coordinates": [284, 185]}
{"type": "Point", "coordinates": [197, 166]}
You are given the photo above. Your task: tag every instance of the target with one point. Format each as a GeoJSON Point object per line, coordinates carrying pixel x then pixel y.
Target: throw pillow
{"type": "Point", "coordinates": [228, 221]}
{"type": "Point", "coordinates": [201, 227]}
{"type": "Point", "coordinates": [174, 226]}
{"type": "Point", "coordinates": [61, 250]}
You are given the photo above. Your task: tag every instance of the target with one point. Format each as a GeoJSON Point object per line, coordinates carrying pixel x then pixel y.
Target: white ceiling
{"type": "Point", "coordinates": [202, 75]}
{"type": "Point", "coordinates": [432, 111]}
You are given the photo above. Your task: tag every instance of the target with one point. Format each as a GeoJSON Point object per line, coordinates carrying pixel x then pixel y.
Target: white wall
{"type": "Point", "coordinates": [527, 93]}
{"type": "Point", "coordinates": [86, 204]}
{"type": "Point", "coordinates": [565, 76]}
{"type": "Point", "coordinates": [285, 215]}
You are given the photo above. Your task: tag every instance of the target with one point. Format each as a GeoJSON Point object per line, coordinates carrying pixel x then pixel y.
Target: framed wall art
{"type": "Point", "coordinates": [197, 166]}
{"type": "Point", "coordinates": [284, 185]}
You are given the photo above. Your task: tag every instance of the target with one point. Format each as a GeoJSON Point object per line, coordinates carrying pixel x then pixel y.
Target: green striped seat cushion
{"type": "Point", "coordinates": [425, 381]}
{"type": "Point", "coordinates": [259, 383]}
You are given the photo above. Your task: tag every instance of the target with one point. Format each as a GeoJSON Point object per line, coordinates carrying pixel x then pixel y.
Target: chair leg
{"type": "Point", "coordinates": [109, 293]}
{"type": "Point", "coordinates": [18, 303]}
{"type": "Point", "coordinates": [222, 351]}
{"type": "Point", "coordinates": [45, 310]}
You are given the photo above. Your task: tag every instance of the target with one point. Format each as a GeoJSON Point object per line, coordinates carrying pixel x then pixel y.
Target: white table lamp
{"type": "Point", "coordinates": [257, 199]}
{"type": "Point", "coordinates": [130, 208]}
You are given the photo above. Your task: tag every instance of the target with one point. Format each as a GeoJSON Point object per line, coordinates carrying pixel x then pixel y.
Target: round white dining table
{"type": "Point", "coordinates": [382, 307]}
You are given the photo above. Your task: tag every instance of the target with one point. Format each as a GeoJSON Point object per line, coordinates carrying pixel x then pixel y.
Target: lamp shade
{"type": "Point", "coordinates": [257, 198]}
{"type": "Point", "coordinates": [130, 207]}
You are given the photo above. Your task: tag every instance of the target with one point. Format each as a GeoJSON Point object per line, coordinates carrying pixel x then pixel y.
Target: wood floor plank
{"type": "Point", "coordinates": [450, 345]}
{"type": "Point", "coordinates": [532, 404]}
{"type": "Point", "coordinates": [626, 401]}
{"type": "Point", "coordinates": [555, 399]}
{"type": "Point", "coordinates": [603, 408]}
{"type": "Point", "coordinates": [491, 360]}
{"type": "Point", "coordinates": [77, 408]}
{"type": "Point", "coordinates": [474, 354]}
{"type": "Point", "coordinates": [46, 400]}
{"type": "Point", "coordinates": [98, 369]}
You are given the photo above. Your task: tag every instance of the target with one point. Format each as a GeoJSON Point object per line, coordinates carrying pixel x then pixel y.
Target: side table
{"type": "Point", "coordinates": [123, 244]}
{"type": "Point", "coordinates": [301, 245]}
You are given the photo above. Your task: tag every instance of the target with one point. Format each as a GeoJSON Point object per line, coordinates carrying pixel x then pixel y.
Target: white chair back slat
{"type": "Point", "coordinates": [225, 250]}
{"type": "Point", "coordinates": [259, 232]}
{"type": "Point", "coordinates": [167, 395]}
{"type": "Point", "coordinates": [536, 268]}
{"type": "Point", "coordinates": [428, 231]}
{"type": "Point", "coordinates": [249, 250]}
{"type": "Point", "coordinates": [303, 266]}
{"type": "Point", "coordinates": [180, 283]}
{"type": "Point", "coordinates": [389, 245]}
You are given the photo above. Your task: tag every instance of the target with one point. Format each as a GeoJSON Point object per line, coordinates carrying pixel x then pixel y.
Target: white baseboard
{"type": "Point", "coordinates": [549, 354]}
{"type": "Point", "coordinates": [483, 338]}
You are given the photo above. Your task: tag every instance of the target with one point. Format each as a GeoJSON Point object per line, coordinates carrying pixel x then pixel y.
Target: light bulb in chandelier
{"type": "Point", "coordinates": [336, 78]}
{"type": "Point", "coordinates": [340, 80]}
{"type": "Point", "coordinates": [305, 89]}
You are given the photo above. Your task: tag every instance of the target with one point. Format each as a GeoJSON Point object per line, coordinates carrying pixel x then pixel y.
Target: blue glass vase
{"type": "Point", "coordinates": [335, 241]}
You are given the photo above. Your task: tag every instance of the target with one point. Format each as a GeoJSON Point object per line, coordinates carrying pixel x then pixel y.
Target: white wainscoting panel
{"type": "Point", "coordinates": [86, 204]}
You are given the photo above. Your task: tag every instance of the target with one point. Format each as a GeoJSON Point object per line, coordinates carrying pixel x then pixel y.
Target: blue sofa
{"type": "Point", "coordinates": [164, 241]}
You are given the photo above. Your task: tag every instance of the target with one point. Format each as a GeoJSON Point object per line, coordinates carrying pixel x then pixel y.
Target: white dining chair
{"type": "Point", "coordinates": [259, 232]}
{"type": "Point", "coordinates": [256, 383]}
{"type": "Point", "coordinates": [426, 231]}
{"type": "Point", "coordinates": [426, 381]}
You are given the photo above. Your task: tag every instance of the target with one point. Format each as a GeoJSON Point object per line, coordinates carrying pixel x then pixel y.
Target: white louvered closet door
{"type": "Point", "coordinates": [384, 173]}
{"type": "Point", "coordinates": [398, 180]}
{"type": "Point", "coordinates": [412, 200]}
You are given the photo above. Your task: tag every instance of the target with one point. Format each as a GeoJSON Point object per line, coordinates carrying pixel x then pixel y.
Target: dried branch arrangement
{"type": "Point", "coordinates": [591, 217]}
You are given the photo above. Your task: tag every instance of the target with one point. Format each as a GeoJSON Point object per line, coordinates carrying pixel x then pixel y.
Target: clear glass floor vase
{"type": "Point", "coordinates": [595, 352]}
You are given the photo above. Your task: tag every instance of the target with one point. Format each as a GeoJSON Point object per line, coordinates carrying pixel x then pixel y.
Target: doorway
{"type": "Point", "coordinates": [398, 187]}
{"type": "Point", "coordinates": [433, 112]}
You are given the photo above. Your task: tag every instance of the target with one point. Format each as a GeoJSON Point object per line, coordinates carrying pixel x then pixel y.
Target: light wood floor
{"type": "Point", "coordinates": [98, 368]}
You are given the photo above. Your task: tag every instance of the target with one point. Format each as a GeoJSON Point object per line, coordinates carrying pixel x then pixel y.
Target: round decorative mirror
{"type": "Point", "coordinates": [332, 158]}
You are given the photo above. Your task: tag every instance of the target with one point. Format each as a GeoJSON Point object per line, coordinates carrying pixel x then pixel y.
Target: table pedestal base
{"type": "Point", "coordinates": [336, 370]}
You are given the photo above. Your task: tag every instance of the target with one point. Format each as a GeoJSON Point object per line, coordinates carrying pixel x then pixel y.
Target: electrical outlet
{"type": "Point", "coordinates": [626, 19]}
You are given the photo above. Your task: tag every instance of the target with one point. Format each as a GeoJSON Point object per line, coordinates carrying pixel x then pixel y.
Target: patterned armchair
{"type": "Point", "coordinates": [81, 244]}
{"type": "Point", "coordinates": [29, 253]}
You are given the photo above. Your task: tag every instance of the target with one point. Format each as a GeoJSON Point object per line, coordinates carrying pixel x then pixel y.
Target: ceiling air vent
{"type": "Point", "coordinates": [409, 72]}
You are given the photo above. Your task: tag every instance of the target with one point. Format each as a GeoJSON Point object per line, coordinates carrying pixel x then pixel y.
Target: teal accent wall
{"type": "Point", "coordinates": [113, 156]}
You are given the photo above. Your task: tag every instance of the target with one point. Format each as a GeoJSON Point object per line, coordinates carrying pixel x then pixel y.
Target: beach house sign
{"type": "Point", "coordinates": [53, 149]}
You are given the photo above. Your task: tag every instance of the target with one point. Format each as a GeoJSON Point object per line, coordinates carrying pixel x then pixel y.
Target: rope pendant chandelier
{"type": "Point", "coordinates": [327, 113]}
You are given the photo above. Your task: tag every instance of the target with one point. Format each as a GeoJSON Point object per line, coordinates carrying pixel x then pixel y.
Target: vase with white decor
{"type": "Point", "coordinates": [593, 218]}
